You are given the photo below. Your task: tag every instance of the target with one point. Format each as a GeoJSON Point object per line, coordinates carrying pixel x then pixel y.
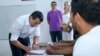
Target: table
{"type": "Point", "coordinates": [45, 46]}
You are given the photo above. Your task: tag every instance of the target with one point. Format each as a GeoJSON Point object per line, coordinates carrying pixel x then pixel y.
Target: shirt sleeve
{"type": "Point", "coordinates": [60, 14]}
{"type": "Point", "coordinates": [48, 18]}
{"type": "Point", "coordinates": [37, 31]}
{"type": "Point", "coordinates": [15, 31]}
{"type": "Point", "coordinates": [83, 47]}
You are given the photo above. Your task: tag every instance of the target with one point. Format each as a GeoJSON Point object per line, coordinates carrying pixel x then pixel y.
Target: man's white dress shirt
{"type": "Point", "coordinates": [21, 28]}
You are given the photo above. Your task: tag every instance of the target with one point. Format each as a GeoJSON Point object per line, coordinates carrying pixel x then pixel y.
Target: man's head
{"type": "Point", "coordinates": [85, 14]}
{"type": "Point", "coordinates": [66, 6]}
{"type": "Point", "coordinates": [53, 5]}
{"type": "Point", "coordinates": [35, 18]}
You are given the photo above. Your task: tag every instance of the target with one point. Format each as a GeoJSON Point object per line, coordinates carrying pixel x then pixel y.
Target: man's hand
{"type": "Point", "coordinates": [62, 41]}
{"type": "Point", "coordinates": [34, 46]}
{"type": "Point", "coordinates": [35, 43]}
{"type": "Point", "coordinates": [51, 51]}
{"type": "Point", "coordinates": [19, 45]}
{"type": "Point", "coordinates": [27, 49]}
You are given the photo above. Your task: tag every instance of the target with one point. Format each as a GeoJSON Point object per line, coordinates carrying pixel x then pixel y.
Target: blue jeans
{"type": "Point", "coordinates": [18, 51]}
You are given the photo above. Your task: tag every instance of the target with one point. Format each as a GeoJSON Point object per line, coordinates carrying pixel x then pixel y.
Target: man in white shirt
{"type": "Point", "coordinates": [86, 20]}
{"type": "Point", "coordinates": [22, 28]}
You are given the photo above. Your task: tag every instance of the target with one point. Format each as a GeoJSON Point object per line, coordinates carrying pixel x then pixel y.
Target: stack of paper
{"type": "Point", "coordinates": [40, 52]}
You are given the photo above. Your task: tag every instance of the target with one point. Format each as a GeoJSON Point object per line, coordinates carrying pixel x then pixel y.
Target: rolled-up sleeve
{"type": "Point", "coordinates": [15, 31]}
{"type": "Point", "coordinates": [37, 31]}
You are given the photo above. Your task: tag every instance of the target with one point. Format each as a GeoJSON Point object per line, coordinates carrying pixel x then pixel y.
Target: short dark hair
{"type": "Point", "coordinates": [37, 14]}
{"type": "Point", "coordinates": [53, 2]}
{"type": "Point", "coordinates": [89, 10]}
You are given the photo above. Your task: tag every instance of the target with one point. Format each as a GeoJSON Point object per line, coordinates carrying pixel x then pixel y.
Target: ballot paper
{"type": "Point", "coordinates": [38, 52]}
{"type": "Point", "coordinates": [50, 43]}
{"type": "Point", "coordinates": [37, 55]}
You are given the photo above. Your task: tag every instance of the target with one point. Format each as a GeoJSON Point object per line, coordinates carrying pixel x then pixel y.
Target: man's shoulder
{"type": "Point", "coordinates": [50, 11]}
{"type": "Point", "coordinates": [23, 16]}
{"type": "Point", "coordinates": [90, 37]}
{"type": "Point", "coordinates": [88, 42]}
{"type": "Point", "coordinates": [58, 10]}
{"type": "Point", "coordinates": [85, 44]}
{"type": "Point", "coordinates": [21, 19]}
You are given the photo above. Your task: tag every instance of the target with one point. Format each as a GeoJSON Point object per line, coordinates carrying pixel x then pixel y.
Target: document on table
{"type": "Point", "coordinates": [38, 52]}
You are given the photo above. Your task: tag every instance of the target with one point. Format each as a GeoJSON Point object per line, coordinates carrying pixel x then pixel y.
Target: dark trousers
{"type": "Point", "coordinates": [17, 51]}
{"type": "Point", "coordinates": [56, 36]}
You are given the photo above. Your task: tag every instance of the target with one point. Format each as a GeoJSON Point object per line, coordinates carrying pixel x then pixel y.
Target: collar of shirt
{"type": "Point", "coordinates": [27, 20]}
{"type": "Point", "coordinates": [54, 11]}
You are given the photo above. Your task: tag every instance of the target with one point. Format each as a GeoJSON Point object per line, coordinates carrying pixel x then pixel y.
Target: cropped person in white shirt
{"type": "Point", "coordinates": [22, 28]}
{"type": "Point", "coordinates": [86, 20]}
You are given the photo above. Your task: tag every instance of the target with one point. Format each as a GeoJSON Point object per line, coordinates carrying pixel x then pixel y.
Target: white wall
{"type": "Point", "coordinates": [14, 2]}
{"type": "Point", "coordinates": [9, 12]}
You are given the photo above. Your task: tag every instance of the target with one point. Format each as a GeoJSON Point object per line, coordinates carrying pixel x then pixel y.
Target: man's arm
{"type": "Point", "coordinates": [19, 45]}
{"type": "Point", "coordinates": [36, 37]}
{"type": "Point", "coordinates": [64, 48]}
{"type": "Point", "coordinates": [15, 32]}
{"type": "Point", "coordinates": [48, 19]}
{"type": "Point", "coordinates": [67, 50]}
{"type": "Point", "coordinates": [61, 17]}
{"type": "Point", "coordinates": [35, 42]}
{"type": "Point", "coordinates": [67, 41]}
